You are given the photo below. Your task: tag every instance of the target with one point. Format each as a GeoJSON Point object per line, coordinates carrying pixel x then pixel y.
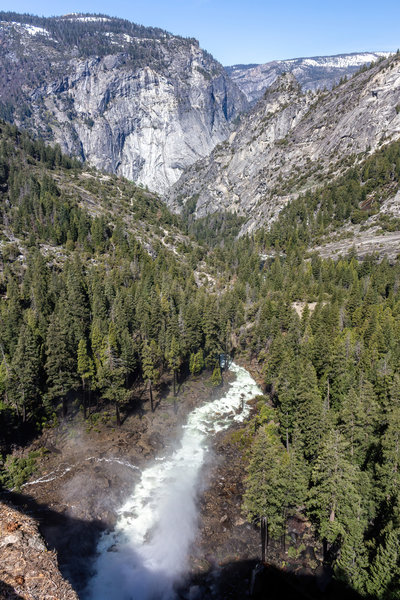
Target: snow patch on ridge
{"type": "Point", "coordinates": [78, 17]}
{"type": "Point", "coordinates": [29, 29]}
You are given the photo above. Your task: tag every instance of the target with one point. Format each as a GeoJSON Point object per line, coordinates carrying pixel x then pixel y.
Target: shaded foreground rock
{"type": "Point", "coordinates": [28, 570]}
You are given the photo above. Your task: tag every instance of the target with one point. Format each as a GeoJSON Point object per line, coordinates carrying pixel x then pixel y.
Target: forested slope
{"type": "Point", "coordinates": [326, 336]}
{"type": "Point", "coordinates": [97, 289]}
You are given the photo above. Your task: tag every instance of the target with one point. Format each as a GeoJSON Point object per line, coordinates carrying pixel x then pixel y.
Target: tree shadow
{"type": "Point", "coordinates": [163, 391]}
{"type": "Point", "coordinates": [13, 433]}
{"type": "Point", "coordinates": [135, 407]}
{"type": "Point", "coordinates": [74, 540]}
{"type": "Point", "coordinates": [8, 593]}
{"type": "Point", "coordinates": [249, 579]}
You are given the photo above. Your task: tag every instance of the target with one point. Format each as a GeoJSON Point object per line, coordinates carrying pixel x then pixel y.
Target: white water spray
{"type": "Point", "coordinates": [118, 461]}
{"type": "Point", "coordinates": [148, 550]}
{"type": "Point", "coordinates": [60, 471]}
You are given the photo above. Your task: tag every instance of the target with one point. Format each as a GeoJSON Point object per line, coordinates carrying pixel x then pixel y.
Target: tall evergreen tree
{"type": "Point", "coordinates": [174, 359]}
{"type": "Point", "coordinates": [151, 359]}
{"type": "Point", "coordinates": [111, 376]}
{"type": "Point", "coordinates": [334, 496]}
{"type": "Point", "coordinates": [266, 487]}
{"type": "Point", "coordinates": [60, 364]}
{"type": "Point", "coordinates": [384, 580]}
{"type": "Point", "coordinates": [26, 372]}
{"type": "Point", "coordinates": [85, 368]}
{"type": "Point", "coordinates": [310, 412]}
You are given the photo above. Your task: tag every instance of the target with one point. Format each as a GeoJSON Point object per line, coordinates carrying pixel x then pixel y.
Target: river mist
{"type": "Point", "coordinates": [146, 554]}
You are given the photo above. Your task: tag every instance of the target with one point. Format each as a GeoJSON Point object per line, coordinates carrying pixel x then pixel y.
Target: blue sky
{"type": "Point", "coordinates": [253, 31]}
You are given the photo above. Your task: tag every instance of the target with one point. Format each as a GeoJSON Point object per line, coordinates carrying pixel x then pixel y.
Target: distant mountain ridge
{"type": "Point", "coordinates": [132, 100]}
{"type": "Point", "coordinates": [312, 73]}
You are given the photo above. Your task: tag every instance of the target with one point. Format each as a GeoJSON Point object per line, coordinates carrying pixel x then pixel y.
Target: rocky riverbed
{"type": "Point", "coordinates": [228, 547]}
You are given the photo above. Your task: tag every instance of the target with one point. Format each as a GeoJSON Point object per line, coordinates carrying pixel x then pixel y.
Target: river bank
{"type": "Point", "coordinates": [149, 548]}
{"type": "Point", "coordinates": [228, 547]}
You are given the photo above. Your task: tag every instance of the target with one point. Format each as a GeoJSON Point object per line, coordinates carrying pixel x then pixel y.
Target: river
{"type": "Point", "coordinates": [147, 552]}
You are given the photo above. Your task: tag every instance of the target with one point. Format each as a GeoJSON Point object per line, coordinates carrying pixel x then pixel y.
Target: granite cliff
{"type": "Point", "coordinates": [127, 99]}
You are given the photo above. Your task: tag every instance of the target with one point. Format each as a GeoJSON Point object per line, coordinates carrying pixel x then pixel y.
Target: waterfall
{"type": "Point", "coordinates": [147, 552]}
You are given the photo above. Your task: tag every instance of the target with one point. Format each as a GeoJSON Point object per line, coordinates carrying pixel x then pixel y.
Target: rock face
{"type": "Point", "coordinates": [291, 142]}
{"type": "Point", "coordinates": [131, 100]}
{"type": "Point", "coordinates": [314, 73]}
{"type": "Point", "coordinates": [28, 570]}
{"type": "Point", "coordinates": [229, 178]}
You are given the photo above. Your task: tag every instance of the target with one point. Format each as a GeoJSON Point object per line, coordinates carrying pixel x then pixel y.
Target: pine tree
{"type": "Point", "coordinates": [85, 370]}
{"type": "Point", "coordinates": [310, 413]}
{"type": "Point", "coordinates": [275, 358]}
{"type": "Point", "coordinates": [212, 345]}
{"type": "Point", "coordinates": [196, 363]}
{"type": "Point", "coordinates": [352, 563]}
{"type": "Point", "coordinates": [96, 340]}
{"type": "Point", "coordinates": [265, 484]}
{"type": "Point", "coordinates": [174, 359]}
{"type": "Point", "coordinates": [25, 366]}
{"type": "Point", "coordinates": [295, 473]}
{"type": "Point", "coordinates": [128, 345]}
{"type": "Point", "coordinates": [111, 377]}
{"type": "Point", "coordinates": [334, 496]}
{"type": "Point", "coordinates": [285, 385]}
{"type": "Point", "coordinates": [216, 377]}
{"type": "Point", "coordinates": [341, 372]}
{"type": "Point", "coordinates": [384, 580]}
{"type": "Point", "coordinates": [12, 315]}
{"type": "Point", "coordinates": [76, 305]}
{"type": "Point", "coordinates": [37, 278]}
{"type": "Point", "coordinates": [353, 421]}
{"type": "Point", "coordinates": [60, 365]}
{"type": "Point", "coordinates": [388, 471]}
{"type": "Point", "coordinates": [151, 357]}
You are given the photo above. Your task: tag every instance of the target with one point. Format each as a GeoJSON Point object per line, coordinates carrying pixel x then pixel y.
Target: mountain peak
{"type": "Point", "coordinates": [289, 144]}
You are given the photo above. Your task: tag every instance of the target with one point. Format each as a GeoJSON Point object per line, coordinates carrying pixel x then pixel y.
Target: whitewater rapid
{"type": "Point", "coordinates": [148, 550]}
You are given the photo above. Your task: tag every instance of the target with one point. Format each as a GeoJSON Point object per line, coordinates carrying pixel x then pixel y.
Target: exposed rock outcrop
{"type": "Point", "coordinates": [28, 571]}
